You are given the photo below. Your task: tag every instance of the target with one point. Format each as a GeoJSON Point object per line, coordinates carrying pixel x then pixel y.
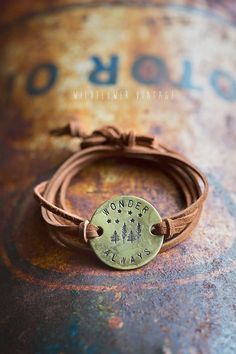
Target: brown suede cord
{"type": "Point", "coordinates": [109, 142]}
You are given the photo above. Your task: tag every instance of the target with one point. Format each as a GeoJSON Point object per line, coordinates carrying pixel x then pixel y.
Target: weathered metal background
{"type": "Point", "coordinates": [173, 66]}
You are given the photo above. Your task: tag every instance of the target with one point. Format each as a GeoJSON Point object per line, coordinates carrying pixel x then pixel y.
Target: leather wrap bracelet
{"type": "Point", "coordinates": [125, 232]}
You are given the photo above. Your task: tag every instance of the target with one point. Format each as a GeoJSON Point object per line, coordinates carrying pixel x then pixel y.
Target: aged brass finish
{"type": "Point", "coordinates": [126, 241]}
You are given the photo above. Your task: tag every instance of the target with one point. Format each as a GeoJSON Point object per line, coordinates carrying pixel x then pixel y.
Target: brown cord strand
{"type": "Point", "coordinates": [109, 142]}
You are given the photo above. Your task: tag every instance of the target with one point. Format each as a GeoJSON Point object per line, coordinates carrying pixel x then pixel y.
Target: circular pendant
{"type": "Point", "coordinates": [126, 241]}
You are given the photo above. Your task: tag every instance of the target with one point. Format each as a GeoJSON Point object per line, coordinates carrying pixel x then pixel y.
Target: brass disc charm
{"type": "Point", "coordinates": [126, 241]}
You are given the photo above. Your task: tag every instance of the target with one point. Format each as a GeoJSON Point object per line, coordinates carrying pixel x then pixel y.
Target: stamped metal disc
{"type": "Point", "coordinates": [126, 241]}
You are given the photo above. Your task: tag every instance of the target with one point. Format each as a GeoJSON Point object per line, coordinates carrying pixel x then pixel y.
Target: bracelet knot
{"type": "Point", "coordinates": [107, 135]}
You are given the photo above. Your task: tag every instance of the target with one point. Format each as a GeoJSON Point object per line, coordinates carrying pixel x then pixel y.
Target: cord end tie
{"type": "Point", "coordinates": [107, 135]}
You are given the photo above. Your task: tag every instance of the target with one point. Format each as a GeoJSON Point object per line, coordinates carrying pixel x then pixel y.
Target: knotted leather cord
{"type": "Point", "coordinates": [69, 229]}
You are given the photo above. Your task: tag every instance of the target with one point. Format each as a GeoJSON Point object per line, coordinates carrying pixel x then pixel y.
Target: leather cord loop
{"type": "Point", "coordinates": [108, 135]}
{"type": "Point", "coordinates": [66, 228]}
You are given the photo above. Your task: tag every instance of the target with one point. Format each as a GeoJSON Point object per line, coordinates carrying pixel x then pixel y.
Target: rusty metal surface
{"type": "Point", "coordinates": [172, 66]}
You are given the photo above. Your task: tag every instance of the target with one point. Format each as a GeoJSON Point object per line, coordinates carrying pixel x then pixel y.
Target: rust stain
{"type": "Point", "coordinates": [115, 322]}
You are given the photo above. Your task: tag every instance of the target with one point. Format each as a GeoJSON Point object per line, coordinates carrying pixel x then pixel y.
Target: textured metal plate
{"type": "Point", "coordinates": [126, 241]}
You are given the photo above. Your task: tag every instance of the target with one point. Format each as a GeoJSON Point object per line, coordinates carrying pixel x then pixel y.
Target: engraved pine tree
{"type": "Point", "coordinates": [124, 232]}
{"type": "Point", "coordinates": [131, 236]}
{"type": "Point", "coordinates": [115, 237]}
{"type": "Point", "coordinates": [139, 231]}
